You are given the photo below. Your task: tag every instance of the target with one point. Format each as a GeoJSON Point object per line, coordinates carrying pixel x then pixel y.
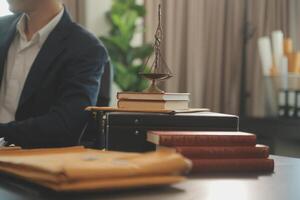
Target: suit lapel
{"type": "Point", "coordinates": [52, 47]}
{"type": "Point", "coordinates": [5, 43]}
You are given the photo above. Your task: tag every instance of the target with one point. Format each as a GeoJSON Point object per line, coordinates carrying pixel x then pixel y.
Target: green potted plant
{"type": "Point", "coordinates": [128, 60]}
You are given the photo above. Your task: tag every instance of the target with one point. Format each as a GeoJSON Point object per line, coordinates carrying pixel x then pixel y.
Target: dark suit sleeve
{"type": "Point", "coordinates": [65, 120]}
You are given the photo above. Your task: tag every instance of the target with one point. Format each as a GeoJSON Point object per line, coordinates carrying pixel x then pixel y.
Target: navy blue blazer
{"type": "Point", "coordinates": [64, 79]}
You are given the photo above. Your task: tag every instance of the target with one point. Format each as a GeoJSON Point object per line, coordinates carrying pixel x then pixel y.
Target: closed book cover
{"type": "Point", "coordinates": [153, 105]}
{"type": "Point", "coordinates": [201, 138]}
{"type": "Point", "coordinates": [258, 151]}
{"type": "Point", "coordinates": [233, 165]}
{"type": "Point", "coordinates": [153, 96]}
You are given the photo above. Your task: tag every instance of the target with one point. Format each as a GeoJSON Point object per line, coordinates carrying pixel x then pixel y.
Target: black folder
{"type": "Point", "coordinates": [126, 131]}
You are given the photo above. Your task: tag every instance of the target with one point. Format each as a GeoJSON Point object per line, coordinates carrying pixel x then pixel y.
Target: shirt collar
{"type": "Point", "coordinates": [42, 35]}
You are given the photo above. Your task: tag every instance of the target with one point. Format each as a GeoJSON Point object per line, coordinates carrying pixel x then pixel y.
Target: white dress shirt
{"type": "Point", "coordinates": [20, 58]}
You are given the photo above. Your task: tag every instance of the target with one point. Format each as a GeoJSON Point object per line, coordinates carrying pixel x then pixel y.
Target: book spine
{"type": "Point", "coordinates": [224, 152]}
{"type": "Point", "coordinates": [207, 140]}
{"type": "Point", "coordinates": [232, 165]}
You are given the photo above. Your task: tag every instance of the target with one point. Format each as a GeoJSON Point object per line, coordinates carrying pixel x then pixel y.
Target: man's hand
{"type": "Point", "coordinates": [2, 142]}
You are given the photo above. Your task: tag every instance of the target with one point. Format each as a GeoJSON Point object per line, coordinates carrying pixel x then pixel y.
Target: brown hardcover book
{"type": "Point", "coordinates": [153, 96]}
{"type": "Point", "coordinates": [258, 151]}
{"type": "Point", "coordinates": [199, 138]}
{"type": "Point", "coordinates": [232, 165]}
{"type": "Point", "coordinates": [153, 105]}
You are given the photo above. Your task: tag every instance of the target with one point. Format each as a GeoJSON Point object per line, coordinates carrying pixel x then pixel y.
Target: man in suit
{"type": "Point", "coordinates": [50, 70]}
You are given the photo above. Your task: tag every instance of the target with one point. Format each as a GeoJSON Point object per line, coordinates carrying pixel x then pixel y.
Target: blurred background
{"type": "Point", "coordinates": [211, 47]}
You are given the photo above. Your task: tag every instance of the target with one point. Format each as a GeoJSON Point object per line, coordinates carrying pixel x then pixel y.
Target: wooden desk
{"type": "Point", "coordinates": [284, 184]}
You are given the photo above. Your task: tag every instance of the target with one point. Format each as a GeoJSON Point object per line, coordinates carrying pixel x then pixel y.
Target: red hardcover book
{"type": "Point", "coordinates": [199, 138]}
{"type": "Point", "coordinates": [258, 151]}
{"type": "Point", "coordinates": [232, 165]}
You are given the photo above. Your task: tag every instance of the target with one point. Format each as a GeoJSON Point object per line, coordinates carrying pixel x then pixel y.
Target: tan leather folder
{"type": "Point", "coordinates": [77, 169]}
{"type": "Point", "coordinates": [113, 109]}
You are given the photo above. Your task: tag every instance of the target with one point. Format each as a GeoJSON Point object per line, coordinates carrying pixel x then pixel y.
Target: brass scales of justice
{"type": "Point", "coordinates": [159, 70]}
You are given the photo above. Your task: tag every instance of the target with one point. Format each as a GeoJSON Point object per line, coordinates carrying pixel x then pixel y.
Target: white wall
{"type": "Point", "coordinates": [94, 16]}
{"type": "Point", "coordinates": [4, 8]}
{"type": "Point", "coordinates": [95, 21]}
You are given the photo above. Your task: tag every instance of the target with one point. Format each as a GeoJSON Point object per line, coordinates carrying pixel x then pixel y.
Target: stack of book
{"type": "Point", "coordinates": [216, 151]}
{"type": "Point", "coordinates": [153, 101]}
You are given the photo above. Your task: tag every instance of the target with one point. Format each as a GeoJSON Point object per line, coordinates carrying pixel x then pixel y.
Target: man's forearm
{"type": "Point", "coordinates": [2, 131]}
{"type": "Point", "coordinates": [47, 130]}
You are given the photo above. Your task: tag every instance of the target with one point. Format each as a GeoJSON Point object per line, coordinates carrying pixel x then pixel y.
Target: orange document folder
{"type": "Point", "coordinates": [80, 169]}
